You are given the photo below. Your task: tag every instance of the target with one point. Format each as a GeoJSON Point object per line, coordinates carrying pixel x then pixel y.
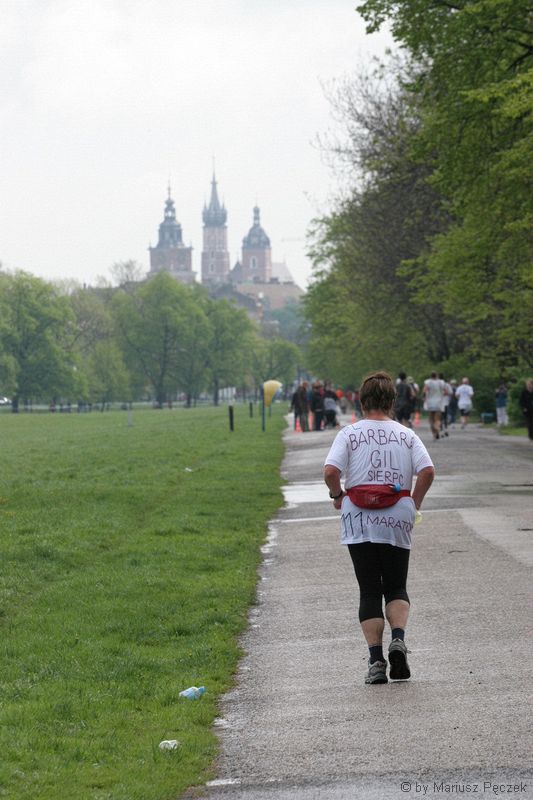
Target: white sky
{"type": "Point", "coordinates": [100, 100]}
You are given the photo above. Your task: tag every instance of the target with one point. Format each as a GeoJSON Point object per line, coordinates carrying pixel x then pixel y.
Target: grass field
{"type": "Point", "coordinates": [513, 431]}
{"type": "Point", "coordinates": [129, 560]}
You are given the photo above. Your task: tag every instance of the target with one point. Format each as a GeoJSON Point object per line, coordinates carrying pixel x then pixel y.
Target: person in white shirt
{"type": "Point", "coordinates": [448, 391]}
{"type": "Point", "coordinates": [434, 391]}
{"type": "Point", "coordinates": [378, 458]}
{"type": "Point", "coordinates": [464, 394]}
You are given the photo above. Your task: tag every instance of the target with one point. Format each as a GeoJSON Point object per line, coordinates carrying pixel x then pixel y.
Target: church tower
{"type": "Point", "coordinates": [170, 254]}
{"type": "Point", "coordinates": [256, 254]}
{"type": "Point", "coordinates": [215, 255]}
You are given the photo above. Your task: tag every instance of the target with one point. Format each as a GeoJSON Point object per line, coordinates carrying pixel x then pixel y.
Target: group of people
{"type": "Point", "coordinates": [316, 407]}
{"type": "Point", "coordinates": [441, 400]}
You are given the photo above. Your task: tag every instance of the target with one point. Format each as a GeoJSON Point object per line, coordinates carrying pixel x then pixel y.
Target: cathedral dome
{"type": "Point", "coordinates": [256, 238]}
{"type": "Point", "coordinates": [170, 230]}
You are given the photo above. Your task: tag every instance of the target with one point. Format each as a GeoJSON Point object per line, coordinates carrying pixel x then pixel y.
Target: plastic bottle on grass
{"type": "Point", "coordinates": [193, 692]}
{"type": "Point", "coordinates": [169, 744]}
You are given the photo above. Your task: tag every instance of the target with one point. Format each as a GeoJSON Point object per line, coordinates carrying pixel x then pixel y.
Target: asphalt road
{"type": "Point", "coordinates": [301, 724]}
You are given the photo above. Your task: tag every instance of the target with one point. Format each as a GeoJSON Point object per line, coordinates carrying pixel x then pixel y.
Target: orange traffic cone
{"type": "Point", "coordinates": [417, 418]}
{"type": "Point", "coordinates": [298, 427]}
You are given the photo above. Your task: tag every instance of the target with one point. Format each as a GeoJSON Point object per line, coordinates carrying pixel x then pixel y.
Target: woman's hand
{"type": "Point", "coordinates": [332, 478]}
{"type": "Point", "coordinates": [338, 502]}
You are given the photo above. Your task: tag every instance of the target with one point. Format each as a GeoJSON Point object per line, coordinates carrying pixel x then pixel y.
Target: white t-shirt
{"type": "Point", "coordinates": [378, 452]}
{"type": "Point", "coordinates": [434, 393]}
{"type": "Point", "coordinates": [464, 394]}
{"type": "Point", "coordinates": [448, 396]}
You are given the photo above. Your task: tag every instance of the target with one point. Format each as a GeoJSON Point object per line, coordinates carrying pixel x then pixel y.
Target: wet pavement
{"type": "Point", "coordinates": [300, 723]}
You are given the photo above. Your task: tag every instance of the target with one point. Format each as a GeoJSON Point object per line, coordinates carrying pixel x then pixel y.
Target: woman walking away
{"type": "Point", "coordinates": [464, 394]}
{"type": "Point", "coordinates": [378, 458]}
{"type": "Point", "coordinates": [434, 391]}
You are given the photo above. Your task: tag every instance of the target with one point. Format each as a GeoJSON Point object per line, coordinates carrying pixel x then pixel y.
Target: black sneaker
{"type": "Point", "coordinates": [399, 668]}
{"type": "Point", "coordinates": [377, 672]}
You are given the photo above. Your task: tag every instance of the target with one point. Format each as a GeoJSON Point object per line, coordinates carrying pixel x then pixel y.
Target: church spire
{"type": "Point", "coordinates": [214, 215]}
{"type": "Point", "coordinates": [170, 229]}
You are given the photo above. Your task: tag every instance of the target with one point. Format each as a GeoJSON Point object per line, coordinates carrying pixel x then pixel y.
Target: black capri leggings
{"type": "Point", "coordinates": [381, 572]}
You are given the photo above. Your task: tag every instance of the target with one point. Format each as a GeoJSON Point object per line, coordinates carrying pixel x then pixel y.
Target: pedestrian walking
{"type": "Point", "coordinates": [294, 407]}
{"type": "Point", "coordinates": [378, 458]}
{"type": "Point", "coordinates": [330, 406]}
{"type": "Point", "coordinates": [526, 404]}
{"type": "Point", "coordinates": [464, 394]}
{"type": "Point", "coordinates": [317, 404]}
{"type": "Point", "coordinates": [404, 400]}
{"type": "Point", "coordinates": [434, 391]}
{"type": "Point", "coordinates": [445, 405]}
{"type": "Point", "coordinates": [452, 405]}
{"type": "Point", "coordinates": [415, 389]}
{"type": "Point", "coordinates": [300, 406]}
{"type": "Point", "coordinates": [501, 404]}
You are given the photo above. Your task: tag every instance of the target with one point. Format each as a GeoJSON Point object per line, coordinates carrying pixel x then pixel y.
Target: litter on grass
{"type": "Point", "coordinates": [193, 692]}
{"type": "Point", "coordinates": [169, 744]}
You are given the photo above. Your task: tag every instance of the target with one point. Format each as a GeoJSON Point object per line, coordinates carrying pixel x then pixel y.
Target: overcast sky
{"type": "Point", "coordinates": [102, 100]}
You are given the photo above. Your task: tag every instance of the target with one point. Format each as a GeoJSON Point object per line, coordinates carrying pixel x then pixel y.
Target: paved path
{"type": "Point", "coordinates": [301, 724]}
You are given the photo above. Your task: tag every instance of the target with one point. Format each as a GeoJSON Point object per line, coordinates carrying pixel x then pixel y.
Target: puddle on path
{"type": "Point", "coordinates": [315, 492]}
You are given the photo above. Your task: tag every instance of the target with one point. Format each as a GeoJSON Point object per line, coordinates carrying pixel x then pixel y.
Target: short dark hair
{"type": "Point", "coordinates": [377, 392]}
{"type": "Point", "coordinates": [402, 375]}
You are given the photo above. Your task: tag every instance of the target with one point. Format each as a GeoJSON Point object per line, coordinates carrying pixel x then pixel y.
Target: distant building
{"type": "Point", "coordinates": [170, 254]}
{"type": "Point", "coordinates": [256, 262]}
{"type": "Point", "coordinates": [269, 285]}
{"type": "Point", "coordinates": [215, 254]}
{"type": "Point", "coordinates": [254, 283]}
{"type": "Point", "coordinates": [271, 296]}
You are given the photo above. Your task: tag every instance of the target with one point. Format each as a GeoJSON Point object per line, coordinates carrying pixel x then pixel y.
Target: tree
{"type": "Point", "coordinates": [127, 273]}
{"type": "Point", "coordinates": [475, 84]}
{"type": "Point", "coordinates": [191, 365]}
{"type": "Point", "coordinates": [361, 304]}
{"type": "Point", "coordinates": [229, 345]}
{"type": "Point", "coordinates": [291, 323]}
{"type": "Point", "coordinates": [36, 326]}
{"type": "Point", "coordinates": [274, 359]}
{"type": "Point", "coordinates": [160, 329]}
{"type": "Point", "coordinates": [108, 377]}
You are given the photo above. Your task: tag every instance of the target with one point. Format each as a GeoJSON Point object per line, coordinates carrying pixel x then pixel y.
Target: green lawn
{"type": "Point", "coordinates": [125, 578]}
{"type": "Point", "coordinates": [509, 430]}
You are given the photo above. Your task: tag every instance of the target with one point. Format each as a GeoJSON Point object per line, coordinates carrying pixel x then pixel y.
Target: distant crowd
{"type": "Point", "coordinates": [317, 405]}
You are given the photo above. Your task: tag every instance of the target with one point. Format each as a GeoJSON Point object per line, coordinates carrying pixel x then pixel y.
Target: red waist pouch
{"type": "Point", "coordinates": [371, 495]}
